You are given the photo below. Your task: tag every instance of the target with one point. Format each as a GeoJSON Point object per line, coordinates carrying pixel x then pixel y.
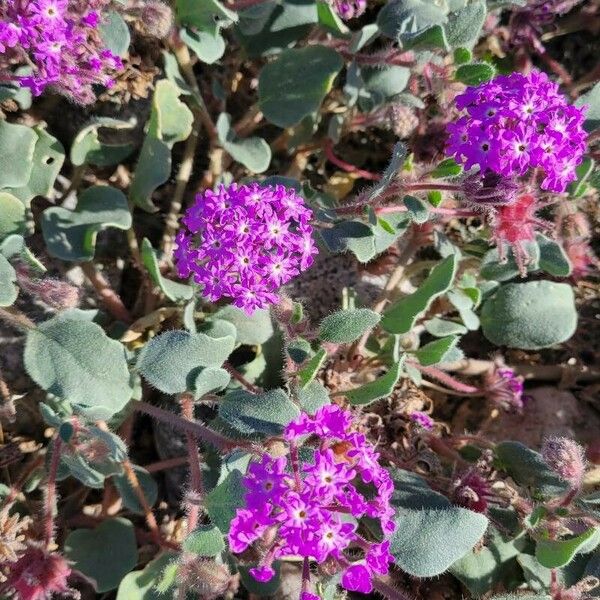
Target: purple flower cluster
{"type": "Point", "coordinates": [244, 242]}
{"type": "Point", "coordinates": [349, 9]}
{"type": "Point", "coordinates": [527, 23]}
{"type": "Point", "coordinates": [312, 510]}
{"type": "Point", "coordinates": [59, 39]}
{"type": "Point", "coordinates": [504, 387]}
{"type": "Point", "coordinates": [517, 122]}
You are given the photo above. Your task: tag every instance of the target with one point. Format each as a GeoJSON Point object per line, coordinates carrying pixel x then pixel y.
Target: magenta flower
{"type": "Point", "coordinates": [422, 419]}
{"type": "Point", "coordinates": [244, 242]}
{"type": "Point", "coordinates": [349, 9]}
{"type": "Point", "coordinates": [516, 123]}
{"type": "Point", "coordinates": [58, 38]}
{"type": "Point", "coordinates": [313, 510]}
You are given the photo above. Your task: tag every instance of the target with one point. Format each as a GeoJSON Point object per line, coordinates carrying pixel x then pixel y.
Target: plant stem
{"type": "Point", "coordinates": [168, 463]}
{"type": "Point", "coordinates": [198, 430]}
{"type": "Point", "coordinates": [134, 482]}
{"type": "Point", "coordinates": [388, 591]}
{"type": "Point", "coordinates": [431, 185]}
{"type": "Point", "coordinates": [342, 164]}
{"type": "Point", "coordinates": [239, 377]}
{"type": "Point", "coordinates": [109, 297]}
{"type": "Point", "coordinates": [50, 499]}
{"type": "Point", "coordinates": [186, 401]}
{"type": "Point", "coordinates": [446, 379]}
{"type": "Point", "coordinates": [16, 318]}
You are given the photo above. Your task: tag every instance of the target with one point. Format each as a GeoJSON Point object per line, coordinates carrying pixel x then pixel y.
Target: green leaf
{"type": "Point", "coordinates": [583, 171]}
{"type": "Point", "coordinates": [558, 553]}
{"type": "Point", "coordinates": [115, 33]}
{"type": "Point", "coordinates": [482, 569]}
{"type": "Point", "coordinates": [495, 268]}
{"type": "Point", "coordinates": [446, 168]}
{"type": "Point", "coordinates": [265, 414]}
{"type": "Point", "coordinates": [127, 493]}
{"type": "Point", "coordinates": [222, 502]}
{"type": "Point", "coordinates": [173, 290]}
{"type": "Point", "coordinates": [253, 330]}
{"type": "Point", "coordinates": [553, 258]}
{"type": "Point", "coordinates": [464, 25]}
{"type": "Point", "coordinates": [17, 145]}
{"type": "Point", "coordinates": [346, 326]}
{"type": "Point", "coordinates": [313, 396]}
{"type": "Point", "coordinates": [12, 215]}
{"type": "Point", "coordinates": [383, 84]}
{"type": "Point", "coordinates": [294, 85]}
{"type": "Point", "coordinates": [76, 361]}
{"type": "Point", "coordinates": [417, 209]}
{"type": "Point", "coordinates": [210, 379]}
{"type": "Point", "coordinates": [87, 148]}
{"type": "Point", "coordinates": [475, 73]}
{"type": "Point", "coordinates": [405, 20]}
{"type": "Point", "coordinates": [531, 315]}
{"type": "Point", "coordinates": [435, 352]}
{"type": "Point", "coordinates": [206, 540]}
{"type": "Point", "coordinates": [142, 585]}
{"type": "Point", "coordinates": [399, 154]}
{"type": "Point", "coordinates": [420, 542]}
{"type": "Point", "coordinates": [253, 152]}
{"type": "Point", "coordinates": [329, 19]}
{"type": "Point", "coordinates": [462, 56]}
{"type": "Point", "coordinates": [171, 361]}
{"type": "Point", "coordinates": [528, 469]}
{"type": "Point", "coordinates": [308, 372]}
{"type": "Point", "coordinates": [441, 328]}
{"type": "Point", "coordinates": [591, 99]}
{"type": "Point", "coordinates": [402, 315]}
{"type": "Point", "coordinates": [105, 554]}
{"type": "Point", "coordinates": [208, 46]}
{"type": "Point", "coordinates": [71, 234]}
{"type": "Point", "coordinates": [170, 122]}
{"type": "Point", "coordinates": [48, 158]}
{"type": "Point", "coordinates": [377, 389]}
{"type": "Point", "coordinates": [8, 276]}
{"type": "Point", "coordinates": [208, 15]}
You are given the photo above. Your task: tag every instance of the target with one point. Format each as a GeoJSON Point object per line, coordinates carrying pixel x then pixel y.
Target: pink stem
{"type": "Point", "coordinates": [51, 492]}
{"type": "Point", "coordinates": [338, 162]}
{"type": "Point", "coordinates": [446, 379]}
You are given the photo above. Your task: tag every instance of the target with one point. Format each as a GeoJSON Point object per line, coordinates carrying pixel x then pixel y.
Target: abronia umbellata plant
{"type": "Point", "coordinates": [277, 279]}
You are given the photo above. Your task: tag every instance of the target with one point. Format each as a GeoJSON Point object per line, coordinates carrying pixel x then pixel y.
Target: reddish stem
{"type": "Point", "coordinates": [239, 377]}
{"type": "Point", "coordinates": [196, 487]}
{"type": "Point", "coordinates": [109, 297]}
{"type": "Point", "coordinates": [338, 162]}
{"type": "Point", "coordinates": [50, 500]}
{"type": "Point", "coordinates": [198, 430]}
{"type": "Point", "coordinates": [169, 463]}
{"type": "Point", "coordinates": [243, 4]}
{"type": "Point", "coordinates": [446, 379]}
{"type": "Point", "coordinates": [431, 185]}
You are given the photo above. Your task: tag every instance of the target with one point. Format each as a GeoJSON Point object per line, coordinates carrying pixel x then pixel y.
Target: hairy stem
{"type": "Point", "coordinates": [50, 499]}
{"type": "Point", "coordinates": [186, 401]}
{"type": "Point", "coordinates": [239, 377]}
{"type": "Point", "coordinates": [198, 430]}
{"type": "Point", "coordinates": [342, 164]}
{"type": "Point", "coordinates": [111, 300]}
{"type": "Point", "coordinates": [446, 379]}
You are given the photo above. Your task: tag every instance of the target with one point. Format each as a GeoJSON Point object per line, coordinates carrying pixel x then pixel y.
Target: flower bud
{"type": "Point", "coordinates": [57, 294]}
{"type": "Point", "coordinates": [38, 574]}
{"type": "Point", "coordinates": [489, 190]}
{"type": "Point", "coordinates": [471, 491]}
{"type": "Point", "coordinates": [403, 120]}
{"type": "Point", "coordinates": [504, 388]}
{"type": "Point", "coordinates": [157, 19]}
{"type": "Point", "coordinates": [203, 577]}
{"type": "Point", "coordinates": [566, 458]}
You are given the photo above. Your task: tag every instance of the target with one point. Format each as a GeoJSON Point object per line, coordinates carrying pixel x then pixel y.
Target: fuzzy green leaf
{"type": "Point", "coordinates": [105, 554]}
{"type": "Point", "coordinates": [206, 540]}
{"type": "Point", "coordinates": [71, 234]}
{"type": "Point", "coordinates": [171, 361]}
{"type": "Point", "coordinates": [558, 553]}
{"type": "Point", "coordinates": [529, 315]}
{"type": "Point", "coordinates": [308, 372]}
{"type": "Point", "coordinates": [222, 502]}
{"type": "Point", "coordinates": [294, 85]}
{"type": "Point", "coordinates": [346, 326]}
{"type": "Point", "coordinates": [142, 585]}
{"type": "Point", "coordinates": [420, 542]}
{"type": "Point", "coordinates": [402, 315]}
{"type": "Point", "coordinates": [87, 148]}
{"type": "Point", "coordinates": [374, 390]}
{"type": "Point", "coordinates": [17, 145]}
{"type": "Point", "coordinates": [252, 329]}
{"type": "Point", "coordinates": [253, 152]}
{"type": "Point", "coordinates": [12, 215]}
{"type": "Point", "coordinates": [76, 361]}
{"type": "Point", "coordinates": [475, 73]}
{"type": "Point", "coordinates": [435, 352]}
